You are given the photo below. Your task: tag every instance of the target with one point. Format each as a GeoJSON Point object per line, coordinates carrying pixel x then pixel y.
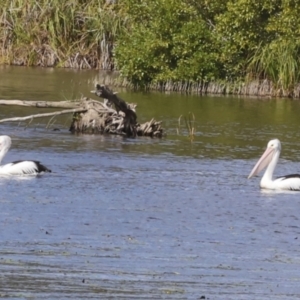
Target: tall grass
{"type": "Point", "coordinates": [279, 62]}
{"type": "Point", "coordinates": [78, 34]}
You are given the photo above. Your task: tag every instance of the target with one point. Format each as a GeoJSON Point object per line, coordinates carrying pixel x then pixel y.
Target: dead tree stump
{"type": "Point", "coordinates": [120, 105]}
{"type": "Point", "coordinates": [100, 117]}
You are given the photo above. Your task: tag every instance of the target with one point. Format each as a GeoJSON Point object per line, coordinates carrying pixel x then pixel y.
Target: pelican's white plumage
{"type": "Point", "coordinates": [21, 167]}
{"type": "Point", "coordinates": [269, 159]}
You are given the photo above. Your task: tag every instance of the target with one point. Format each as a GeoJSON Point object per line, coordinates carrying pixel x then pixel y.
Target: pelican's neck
{"type": "Point", "coordinates": [268, 176]}
{"type": "Point", "coordinates": [3, 151]}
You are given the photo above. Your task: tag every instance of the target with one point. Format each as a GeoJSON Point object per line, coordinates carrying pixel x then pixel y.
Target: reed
{"type": "Point", "coordinates": [189, 122]}
{"type": "Point", "coordinates": [77, 34]}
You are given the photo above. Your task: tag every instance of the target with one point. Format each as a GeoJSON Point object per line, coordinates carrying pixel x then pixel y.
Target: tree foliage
{"type": "Point", "coordinates": [242, 28]}
{"type": "Point", "coordinates": [210, 40]}
{"type": "Point", "coordinates": [167, 40]}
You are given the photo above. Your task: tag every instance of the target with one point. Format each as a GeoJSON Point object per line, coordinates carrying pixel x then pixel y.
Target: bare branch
{"type": "Point", "coordinates": [46, 104]}
{"type": "Point", "coordinates": [66, 111]}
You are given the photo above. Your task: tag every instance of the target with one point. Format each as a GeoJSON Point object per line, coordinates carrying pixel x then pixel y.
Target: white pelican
{"type": "Point", "coordinates": [269, 159]}
{"type": "Point", "coordinates": [21, 167]}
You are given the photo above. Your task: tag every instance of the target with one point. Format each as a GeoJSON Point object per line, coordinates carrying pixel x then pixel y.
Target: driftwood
{"type": "Point", "coordinates": [92, 116]}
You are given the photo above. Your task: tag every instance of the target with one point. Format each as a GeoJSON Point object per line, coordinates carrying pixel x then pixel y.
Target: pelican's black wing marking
{"type": "Point", "coordinates": [289, 176]}
{"type": "Point", "coordinates": [42, 168]}
{"type": "Point", "coordinates": [38, 167]}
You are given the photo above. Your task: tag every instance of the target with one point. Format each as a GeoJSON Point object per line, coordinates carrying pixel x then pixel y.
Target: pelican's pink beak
{"type": "Point", "coordinates": [263, 162]}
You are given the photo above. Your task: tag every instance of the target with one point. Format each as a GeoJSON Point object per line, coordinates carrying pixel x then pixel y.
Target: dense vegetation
{"type": "Point", "coordinates": [68, 33]}
{"type": "Point", "coordinates": [160, 41]}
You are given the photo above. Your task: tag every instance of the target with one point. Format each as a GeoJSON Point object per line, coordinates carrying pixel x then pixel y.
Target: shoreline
{"type": "Point", "coordinates": [263, 89]}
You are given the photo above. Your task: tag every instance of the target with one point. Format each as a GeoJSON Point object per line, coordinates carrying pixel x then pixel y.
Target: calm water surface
{"type": "Point", "coordinates": [148, 219]}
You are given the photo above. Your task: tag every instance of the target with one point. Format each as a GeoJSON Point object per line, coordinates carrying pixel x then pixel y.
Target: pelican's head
{"type": "Point", "coordinates": [274, 146]}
